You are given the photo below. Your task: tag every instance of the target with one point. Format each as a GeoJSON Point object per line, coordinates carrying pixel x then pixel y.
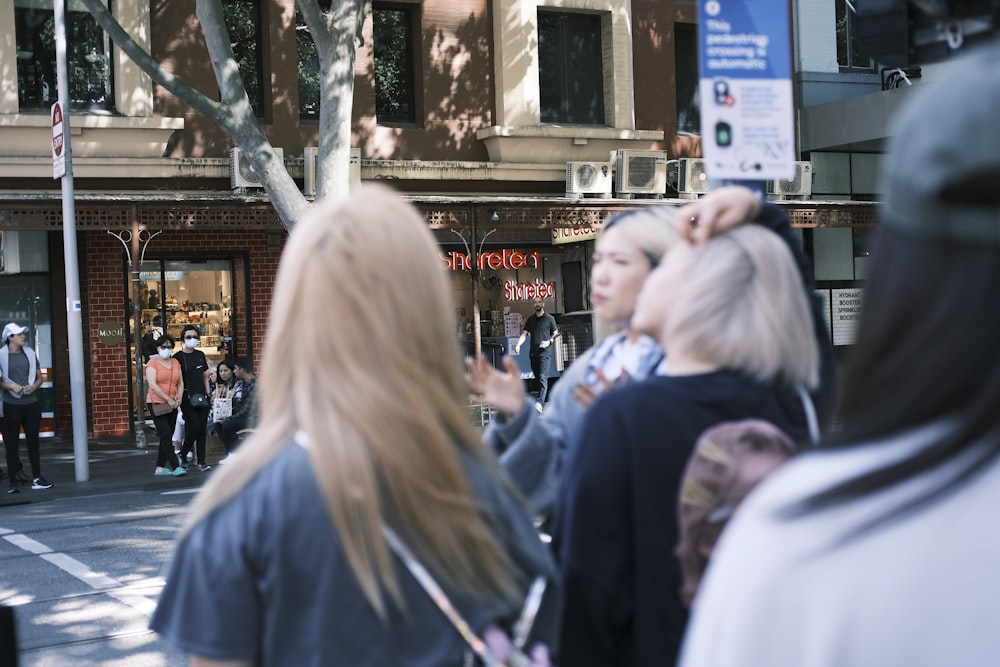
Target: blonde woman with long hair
{"type": "Point", "coordinates": [285, 560]}
{"type": "Point", "coordinates": [737, 328]}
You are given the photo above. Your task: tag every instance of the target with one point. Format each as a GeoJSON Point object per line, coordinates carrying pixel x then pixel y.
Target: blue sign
{"type": "Point", "coordinates": [745, 89]}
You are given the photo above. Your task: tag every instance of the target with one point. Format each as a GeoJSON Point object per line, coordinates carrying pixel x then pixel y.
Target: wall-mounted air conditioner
{"type": "Point", "coordinates": [309, 171]}
{"type": "Point", "coordinates": [588, 178]}
{"type": "Point", "coordinates": [689, 178]}
{"type": "Point", "coordinates": [241, 172]}
{"type": "Point", "coordinates": [640, 173]}
{"type": "Point", "coordinates": [798, 187]}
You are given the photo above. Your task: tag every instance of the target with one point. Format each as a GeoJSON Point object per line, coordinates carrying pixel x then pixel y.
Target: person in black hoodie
{"type": "Point", "coordinates": [737, 329]}
{"type": "Point", "coordinates": [196, 371]}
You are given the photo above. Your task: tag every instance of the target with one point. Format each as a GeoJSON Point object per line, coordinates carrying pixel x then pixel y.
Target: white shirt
{"type": "Point", "coordinates": [922, 591]}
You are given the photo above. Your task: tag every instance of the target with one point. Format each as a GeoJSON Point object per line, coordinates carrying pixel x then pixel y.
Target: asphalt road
{"type": "Point", "coordinates": [83, 574]}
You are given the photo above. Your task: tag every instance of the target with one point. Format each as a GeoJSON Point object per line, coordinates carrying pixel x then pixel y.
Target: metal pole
{"type": "Point", "coordinates": [477, 334]}
{"type": "Point", "coordinates": [74, 315]}
{"type": "Point", "coordinates": [135, 266]}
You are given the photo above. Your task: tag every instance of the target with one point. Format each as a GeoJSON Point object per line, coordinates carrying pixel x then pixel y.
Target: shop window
{"type": "Point", "coordinates": [198, 292]}
{"type": "Point", "coordinates": [308, 65]}
{"type": "Point", "coordinates": [395, 59]}
{"type": "Point", "coordinates": [850, 55]}
{"type": "Point", "coordinates": [243, 21]}
{"type": "Point", "coordinates": [570, 68]}
{"type": "Point", "coordinates": [88, 55]}
{"type": "Point", "coordinates": [686, 66]}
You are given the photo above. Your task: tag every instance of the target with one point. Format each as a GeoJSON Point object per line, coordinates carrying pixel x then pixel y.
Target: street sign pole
{"type": "Point", "coordinates": [74, 315]}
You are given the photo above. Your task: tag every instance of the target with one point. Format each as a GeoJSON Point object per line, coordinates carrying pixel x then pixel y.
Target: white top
{"type": "Point", "coordinates": [923, 590]}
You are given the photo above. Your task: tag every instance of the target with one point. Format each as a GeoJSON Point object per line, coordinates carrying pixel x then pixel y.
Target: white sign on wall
{"type": "Point", "coordinates": [846, 312]}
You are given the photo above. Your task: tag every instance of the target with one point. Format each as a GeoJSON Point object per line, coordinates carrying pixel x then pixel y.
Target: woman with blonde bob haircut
{"type": "Point", "coordinates": [284, 560]}
{"type": "Point", "coordinates": [735, 302]}
{"type": "Point", "coordinates": [733, 318]}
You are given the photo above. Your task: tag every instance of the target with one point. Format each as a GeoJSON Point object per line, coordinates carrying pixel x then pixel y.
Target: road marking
{"type": "Point", "coordinates": [180, 491]}
{"type": "Point", "coordinates": [28, 544]}
{"type": "Point", "coordinates": [73, 567]}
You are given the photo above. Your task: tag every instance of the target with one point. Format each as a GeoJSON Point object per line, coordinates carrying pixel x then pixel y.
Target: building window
{"type": "Point", "coordinates": [686, 76]}
{"type": "Point", "coordinates": [88, 55]}
{"type": "Point", "coordinates": [243, 22]}
{"type": "Point", "coordinates": [308, 70]}
{"type": "Point", "coordinates": [570, 68]}
{"type": "Point", "coordinates": [395, 96]}
{"type": "Point", "coordinates": [849, 53]}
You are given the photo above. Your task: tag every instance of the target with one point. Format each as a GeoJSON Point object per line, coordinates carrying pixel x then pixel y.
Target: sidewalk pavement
{"type": "Point", "coordinates": [116, 465]}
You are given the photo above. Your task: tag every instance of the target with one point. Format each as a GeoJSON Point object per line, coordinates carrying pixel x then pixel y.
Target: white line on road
{"type": "Point", "coordinates": [77, 569]}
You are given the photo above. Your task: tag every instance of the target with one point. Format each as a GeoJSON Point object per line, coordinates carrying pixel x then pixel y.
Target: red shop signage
{"type": "Point", "coordinates": [505, 259]}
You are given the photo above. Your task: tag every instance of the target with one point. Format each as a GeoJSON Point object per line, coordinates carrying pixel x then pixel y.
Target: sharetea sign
{"type": "Point", "coordinates": [505, 259]}
{"type": "Point", "coordinates": [745, 86]}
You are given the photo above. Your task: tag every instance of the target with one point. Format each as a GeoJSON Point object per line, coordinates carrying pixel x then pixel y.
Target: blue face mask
{"type": "Point", "coordinates": [164, 353]}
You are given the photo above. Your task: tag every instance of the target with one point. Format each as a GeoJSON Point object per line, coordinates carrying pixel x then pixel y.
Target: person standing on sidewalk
{"type": "Point", "coordinates": [543, 330]}
{"type": "Point", "coordinates": [20, 379]}
{"type": "Point", "coordinates": [166, 384]}
{"type": "Point", "coordinates": [195, 402]}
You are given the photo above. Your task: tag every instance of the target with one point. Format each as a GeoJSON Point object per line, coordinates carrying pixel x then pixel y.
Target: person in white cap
{"type": "Point", "coordinates": [20, 378]}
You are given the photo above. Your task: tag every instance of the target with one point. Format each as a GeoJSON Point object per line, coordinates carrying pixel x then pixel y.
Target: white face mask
{"type": "Point", "coordinates": [164, 353]}
{"type": "Point", "coordinates": [191, 342]}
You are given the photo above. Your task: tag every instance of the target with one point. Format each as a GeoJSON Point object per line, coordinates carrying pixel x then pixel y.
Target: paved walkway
{"type": "Point", "coordinates": [115, 465]}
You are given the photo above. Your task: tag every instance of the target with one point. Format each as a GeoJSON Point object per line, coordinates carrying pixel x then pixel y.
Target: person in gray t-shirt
{"type": "Point", "coordinates": [290, 557]}
{"type": "Point", "coordinates": [20, 377]}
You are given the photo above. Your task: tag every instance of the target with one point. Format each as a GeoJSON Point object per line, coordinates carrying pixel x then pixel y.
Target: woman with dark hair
{"type": "Point", "coordinates": [195, 402]}
{"type": "Point", "coordinates": [166, 384]}
{"type": "Point", "coordinates": [878, 549]}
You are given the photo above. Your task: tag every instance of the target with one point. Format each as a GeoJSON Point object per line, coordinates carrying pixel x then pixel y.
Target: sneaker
{"type": "Point", "coordinates": [538, 407]}
{"type": "Point", "coordinates": [163, 472]}
{"type": "Point", "coordinates": [178, 471]}
{"type": "Point", "coordinates": [201, 467]}
{"type": "Point", "coordinates": [225, 459]}
{"type": "Point", "coordinates": [41, 483]}
{"type": "Point", "coordinates": [13, 489]}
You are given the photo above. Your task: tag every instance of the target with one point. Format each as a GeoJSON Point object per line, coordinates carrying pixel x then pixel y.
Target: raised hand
{"type": "Point", "coordinates": [502, 391]}
{"type": "Point", "coordinates": [717, 213]}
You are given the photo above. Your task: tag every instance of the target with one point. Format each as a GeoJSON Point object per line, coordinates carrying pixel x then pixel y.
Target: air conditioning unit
{"type": "Point", "coordinates": [689, 177]}
{"type": "Point", "coordinates": [640, 173]}
{"type": "Point", "coordinates": [588, 178]}
{"type": "Point", "coordinates": [309, 171]}
{"type": "Point", "coordinates": [799, 186]}
{"type": "Point", "coordinates": [241, 173]}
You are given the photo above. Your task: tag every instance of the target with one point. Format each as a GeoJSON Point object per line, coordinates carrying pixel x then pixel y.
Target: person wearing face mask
{"type": "Point", "coordinates": [543, 331]}
{"type": "Point", "coordinates": [195, 402]}
{"type": "Point", "coordinates": [166, 385]}
{"type": "Point", "coordinates": [21, 377]}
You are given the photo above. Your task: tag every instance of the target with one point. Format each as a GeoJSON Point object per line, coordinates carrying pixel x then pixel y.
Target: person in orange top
{"type": "Point", "coordinates": [166, 386]}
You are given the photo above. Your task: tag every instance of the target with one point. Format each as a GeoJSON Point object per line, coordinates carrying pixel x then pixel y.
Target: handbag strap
{"type": "Point", "coordinates": [521, 628]}
{"type": "Point", "coordinates": [812, 420]}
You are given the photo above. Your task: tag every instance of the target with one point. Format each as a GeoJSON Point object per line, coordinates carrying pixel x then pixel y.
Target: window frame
{"type": "Point", "coordinates": [567, 114]}
{"type": "Point", "coordinates": [411, 92]}
{"type": "Point", "coordinates": [77, 19]}
{"type": "Point", "coordinates": [847, 41]}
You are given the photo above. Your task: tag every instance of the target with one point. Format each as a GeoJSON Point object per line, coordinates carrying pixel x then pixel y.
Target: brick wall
{"type": "Point", "coordinates": [103, 290]}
